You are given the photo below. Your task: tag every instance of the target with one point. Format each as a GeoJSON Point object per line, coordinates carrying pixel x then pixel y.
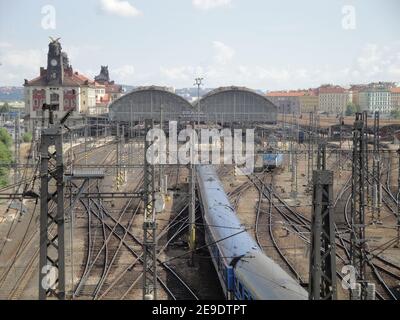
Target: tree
{"type": "Point", "coordinates": [5, 137]}
{"type": "Point", "coordinates": [351, 109]}
{"type": "Point", "coordinates": [5, 158]}
{"type": "Point", "coordinates": [5, 108]}
{"type": "Point", "coordinates": [395, 114]}
{"type": "Point", "coordinates": [27, 137]}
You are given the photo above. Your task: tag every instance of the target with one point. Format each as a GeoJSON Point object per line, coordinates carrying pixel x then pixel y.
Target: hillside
{"type": "Point", "coordinates": [11, 93]}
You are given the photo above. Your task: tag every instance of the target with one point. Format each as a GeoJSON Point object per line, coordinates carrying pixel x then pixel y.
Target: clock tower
{"type": "Point", "coordinates": [55, 68]}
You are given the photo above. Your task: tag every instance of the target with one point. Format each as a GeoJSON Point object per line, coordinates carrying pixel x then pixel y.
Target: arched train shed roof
{"type": "Point", "coordinates": [145, 103]}
{"type": "Point", "coordinates": [237, 104]}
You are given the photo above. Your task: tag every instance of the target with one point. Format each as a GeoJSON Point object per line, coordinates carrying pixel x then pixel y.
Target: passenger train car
{"type": "Point", "coordinates": [244, 271]}
{"type": "Point", "coordinates": [272, 160]}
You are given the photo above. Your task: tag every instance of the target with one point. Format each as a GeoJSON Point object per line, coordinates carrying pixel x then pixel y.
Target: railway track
{"type": "Point", "coordinates": [13, 287]}
{"type": "Point", "coordinates": [114, 281]}
{"type": "Point", "coordinates": [265, 233]}
{"type": "Point", "coordinates": [301, 225]}
{"type": "Point", "coordinates": [101, 258]}
{"type": "Point", "coordinates": [126, 275]}
{"type": "Point", "coordinates": [266, 227]}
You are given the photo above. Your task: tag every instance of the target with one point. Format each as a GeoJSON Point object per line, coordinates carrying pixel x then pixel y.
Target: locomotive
{"type": "Point", "coordinates": [244, 271]}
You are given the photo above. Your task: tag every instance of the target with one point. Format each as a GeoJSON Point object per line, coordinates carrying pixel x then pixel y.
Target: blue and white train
{"type": "Point", "coordinates": [272, 160]}
{"type": "Point", "coordinates": [244, 271]}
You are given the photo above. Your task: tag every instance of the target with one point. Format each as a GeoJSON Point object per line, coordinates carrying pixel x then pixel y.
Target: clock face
{"type": "Point", "coordinates": [53, 62]}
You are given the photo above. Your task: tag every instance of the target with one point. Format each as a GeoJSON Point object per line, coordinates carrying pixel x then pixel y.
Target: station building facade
{"type": "Point", "coordinates": [225, 105]}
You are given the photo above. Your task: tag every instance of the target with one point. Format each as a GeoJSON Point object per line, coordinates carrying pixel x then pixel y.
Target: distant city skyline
{"type": "Point", "coordinates": [260, 44]}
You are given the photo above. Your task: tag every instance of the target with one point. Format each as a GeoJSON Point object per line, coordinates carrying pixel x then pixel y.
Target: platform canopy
{"type": "Point", "coordinates": [223, 105]}
{"type": "Point", "coordinates": [146, 103]}
{"type": "Point", "coordinates": [237, 104]}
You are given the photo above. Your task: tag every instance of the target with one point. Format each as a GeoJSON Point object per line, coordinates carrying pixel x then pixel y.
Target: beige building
{"type": "Point", "coordinates": [395, 98]}
{"type": "Point", "coordinates": [333, 99]}
{"type": "Point", "coordinates": [355, 91]}
{"type": "Point", "coordinates": [60, 85]}
{"type": "Point", "coordinates": [300, 101]}
{"type": "Point", "coordinates": [287, 101]}
{"type": "Point", "coordinates": [309, 102]}
{"type": "Point", "coordinates": [376, 98]}
{"type": "Point", "coordinates": [106, 91]}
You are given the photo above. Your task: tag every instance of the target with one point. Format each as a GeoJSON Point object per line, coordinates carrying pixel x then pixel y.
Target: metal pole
{"type": "Point", "coordinates": [52, 252]}
{"type": "Point", "coordinates": [376, 173]}
{"type": "Point", "coordinates": [198, 83]}
{"type": "Point", "coordinates": [192, 206]}
{"type": "Point", "coordinates": [357, 244]}
{"type": "Point", "coordinates": [398, 203]}
{"type": "Point", "coordinates": [310, 148]}
{"type": "Point", "coordinates": [323, 248]}
{"type": "Point", "coordinates": [161, 166]}
{"type": "Point", "coordinates": [293, 152]}
{"type": "Point", "coordinates": [86, 136]}
{"type": "Point", "coordinates": [149, 226]}
{"type": "Point", "coordinates": [17, 145]}
{"type": "Point", "coordinates": [340, 144]}
{"type": "Point", "coordinates": [366, 156]}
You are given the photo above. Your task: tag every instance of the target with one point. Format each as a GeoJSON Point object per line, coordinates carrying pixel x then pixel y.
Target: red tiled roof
{"type": "Point", "coordinates": [395, 90]}
{"type": "Point", "coordinates": [286, 93]}
{"type": "Point", "coordinates": [104, 100]}
{"type": "Point", "coordinates": [335, 89]}
{"type": "Point", "coordinates": [77, 79]}
{"type": "Point", "coordinates": [113, 88]}
{"type": "Point", "coordinates": [99, 85]}
{"type": "Point", "coordinates": [72, 79]}
{"type": "Point", "coordinates": [38, 81]}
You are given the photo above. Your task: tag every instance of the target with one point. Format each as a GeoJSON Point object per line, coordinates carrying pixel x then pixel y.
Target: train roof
{"type": "Point", "coordinates": [266, 280]}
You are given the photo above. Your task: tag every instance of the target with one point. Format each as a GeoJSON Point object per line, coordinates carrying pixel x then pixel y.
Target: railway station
{"type": "Point", "coordinates": [138, 230]}
{"type": "Point", "coordinates": [137, 184]}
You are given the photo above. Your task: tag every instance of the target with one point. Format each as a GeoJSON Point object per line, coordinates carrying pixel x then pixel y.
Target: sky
{"type": "Point", "coordinates": [260, 44]}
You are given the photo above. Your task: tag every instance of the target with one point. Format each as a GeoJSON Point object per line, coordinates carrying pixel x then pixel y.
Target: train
{"type": "Point", "coordinates": [272, 160]}
{"type": "Point", "coordinates": [244, 271]}
{"type": "Point", "coordinates": [301, 136]}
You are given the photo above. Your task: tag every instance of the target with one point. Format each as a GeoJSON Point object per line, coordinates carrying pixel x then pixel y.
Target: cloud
{"type": "Point", "coordinates": [216, 69]}
{"type": "Point", "coordinates": [378, 61]}
{"type": "Point", "coordinates": [223, 53]}
{"type": "Point", "coordinates": [210, 4]}
{"type": "Point", "coordinates": [23, 59]}
{"type": "Point", "coordinates": [4, 44]}
{"type": "Point", "coordinates": [176, 73]}
{"type": "Point", "coordinates": [124, 73]}
{"type": "Point", "coordinates": [119, 8]}
{"type": "Point", "coordinates": [81, 52]}
{"type": "Point", "coordinates": [18, 64]}
{"type": "Point", "coordinates": [182, 73]}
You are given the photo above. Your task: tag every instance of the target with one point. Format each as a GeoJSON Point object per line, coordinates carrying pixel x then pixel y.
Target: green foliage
{"type": "Point", "coordinates": [27, 137]}
{"type": "Point", "coordinates": [351, 109]}
{"type": "Point", "coordinates": [5, 137]}
{"type": "Point", "coordinates": [5, 157]}
{"type": "Point", "coordinates": [5, 108]}
{"type": "Point", "coordinates": [395, 114]}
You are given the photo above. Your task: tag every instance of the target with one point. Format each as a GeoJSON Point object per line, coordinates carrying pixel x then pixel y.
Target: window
{"type": "Point", "coordinates": [54, 98]}
{"type": "Point", "coordinates": [245, 295]}
{"type": "Point", "coordinates": [240, 290]}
